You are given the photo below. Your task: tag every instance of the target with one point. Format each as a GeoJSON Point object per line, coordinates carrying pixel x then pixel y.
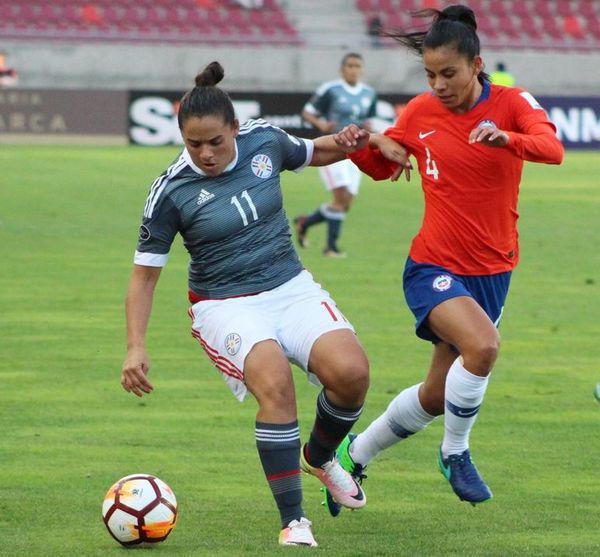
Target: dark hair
{"type": "Point", "coordinates": [206, 98]}
{"type": "Point", "coordinates": [455, 25]}
{"type": "Point", "coordinates": [350, 55]}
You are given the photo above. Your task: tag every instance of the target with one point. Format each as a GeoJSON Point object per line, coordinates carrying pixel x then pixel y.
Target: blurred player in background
{"type": "Point", "coordinates": [336, 104]}
{"type": "Point", "coordinates": [470, 139]}
{"type": "Point", "coordinates": [8, 76]}
{"type": "Point", "coordinates": [254, 307]}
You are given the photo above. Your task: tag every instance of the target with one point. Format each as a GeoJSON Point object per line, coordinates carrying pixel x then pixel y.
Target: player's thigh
{"type": "Point", "coordinates": [309, 313]}
{"type": "Point", "coordinates": [341, 364]}
{"type": "Point", "coordinates": [268, 375]}
{"type": "Point", "coordinates": [463, 323]}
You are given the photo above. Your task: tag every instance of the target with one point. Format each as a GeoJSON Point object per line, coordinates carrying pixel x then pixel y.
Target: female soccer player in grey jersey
{"type": "Point", "coordinates": [254, 307]}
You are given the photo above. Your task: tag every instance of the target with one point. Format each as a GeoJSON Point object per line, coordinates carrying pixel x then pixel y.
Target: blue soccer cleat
{"type": "Point", "coordinates": [355, 469]}
{"type": "Point", "coordinates": [464, 478]}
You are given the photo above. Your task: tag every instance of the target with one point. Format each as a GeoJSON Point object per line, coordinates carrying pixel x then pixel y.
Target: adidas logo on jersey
{"type": "Point", "coordinates": [204, 196]}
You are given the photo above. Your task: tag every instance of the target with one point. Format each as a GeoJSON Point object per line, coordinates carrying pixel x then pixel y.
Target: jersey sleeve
{"type": "Point", "coordinates": [535, 139]}
{"type": "Point", "coordinates": [296, 152]}
{"type": "Point", "coordinates": [159, 227]}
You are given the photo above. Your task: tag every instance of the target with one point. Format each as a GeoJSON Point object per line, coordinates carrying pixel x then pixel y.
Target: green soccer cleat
{"type": "Point", "coordinates": [355, 469]}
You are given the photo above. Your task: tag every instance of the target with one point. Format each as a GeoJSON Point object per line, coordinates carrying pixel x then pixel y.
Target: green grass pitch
{"type": "Point", "coordinates": [68, 225]}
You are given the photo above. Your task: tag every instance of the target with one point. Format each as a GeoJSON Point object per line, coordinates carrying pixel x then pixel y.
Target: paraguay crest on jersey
{"type": "Point", "coordinates": [262, 166]}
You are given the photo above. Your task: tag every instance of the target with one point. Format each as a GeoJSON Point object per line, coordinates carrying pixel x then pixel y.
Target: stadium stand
{"type": "Point", "coordinates": [147, 21]}
{"type": "Point", "coordinates": [507, 24]}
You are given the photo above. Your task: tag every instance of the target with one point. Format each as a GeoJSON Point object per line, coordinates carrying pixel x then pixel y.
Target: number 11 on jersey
{"type": "Point", "coordinates": [235, 201]}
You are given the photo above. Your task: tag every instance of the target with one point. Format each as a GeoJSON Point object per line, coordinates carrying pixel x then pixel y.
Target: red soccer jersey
{"type": "Point", "coordinates": [470, 220]}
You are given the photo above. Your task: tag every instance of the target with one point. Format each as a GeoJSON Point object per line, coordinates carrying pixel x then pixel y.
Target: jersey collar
{"type": "Point", "coordinates": [485, 93]}
{"type": "Point", "coordinates": [198, 170]}
{"type": "Point", "coordinates": [352, 89]}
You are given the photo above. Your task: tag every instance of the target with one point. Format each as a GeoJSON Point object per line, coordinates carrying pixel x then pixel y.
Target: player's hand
{"type": "Point", "coordinates": [393, 152]}
{"type": "Point", "coordinates": [134, 373]}
{"type": "Point", "coordinates": [488, 135]}
{"type": "Point", "coordinates": [352, 138]}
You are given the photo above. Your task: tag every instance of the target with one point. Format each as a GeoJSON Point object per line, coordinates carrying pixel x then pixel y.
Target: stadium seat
{"type": "Point", "coordinates": [537, 24]}
{"type": "Point", "coordinates": [192, 21]}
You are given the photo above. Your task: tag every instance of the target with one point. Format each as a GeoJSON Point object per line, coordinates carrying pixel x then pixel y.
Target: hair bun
{"type": "Point", "coordinates": [462, 14]}
{"type": "Point", "coordinates": [210, 76]}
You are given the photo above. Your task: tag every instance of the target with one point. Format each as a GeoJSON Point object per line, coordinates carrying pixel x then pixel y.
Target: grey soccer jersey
{"type": "Point", "coordinates": [233, 225]}
{"type": "Point", "coordinates": [342, 103]}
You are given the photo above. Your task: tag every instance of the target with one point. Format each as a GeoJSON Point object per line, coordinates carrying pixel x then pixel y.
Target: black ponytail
{"type": "Point", "coordinates": [455, 26]}
{"type": "Point", "coordinates": [206, 98]}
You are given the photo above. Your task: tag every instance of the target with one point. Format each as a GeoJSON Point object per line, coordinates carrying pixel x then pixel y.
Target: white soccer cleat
{"type": "Point", "coordinates": [342, 486]}
{"type": "Point", "coordinates": [298, 532]}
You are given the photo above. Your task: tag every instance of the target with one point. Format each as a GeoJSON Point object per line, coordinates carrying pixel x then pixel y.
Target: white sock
{"type": "Point", "coordinates": [403, 417]}
{"type": "Point", "coordinates": [464, 394]}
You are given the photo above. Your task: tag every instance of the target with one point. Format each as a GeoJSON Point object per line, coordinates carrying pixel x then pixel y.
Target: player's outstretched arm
{"type": "Point", "coordinates": [383, 158]}
{"type": "Point", "coordinates": [138, 307]}
{"type": "Point", "coordinates": [329, 149]}
{"type": "Point", "coordinates": [393, 152]}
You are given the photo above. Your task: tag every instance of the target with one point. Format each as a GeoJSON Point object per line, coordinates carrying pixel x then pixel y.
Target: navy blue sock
{"type": "Point", "coordinates": [332, 424]}
{"type": "Point", "coordinates": [279, 450]}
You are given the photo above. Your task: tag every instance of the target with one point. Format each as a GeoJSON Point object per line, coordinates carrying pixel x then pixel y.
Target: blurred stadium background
{"type": "Point", "coordinates": [83, 64]}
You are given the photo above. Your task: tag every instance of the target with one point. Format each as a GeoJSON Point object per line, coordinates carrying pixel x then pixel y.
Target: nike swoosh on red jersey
{"type": "Point", "coordinates": [424, 135]}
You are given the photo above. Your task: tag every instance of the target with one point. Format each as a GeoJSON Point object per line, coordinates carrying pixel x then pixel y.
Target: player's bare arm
{"type": "Point", "coordinates": [323, 125]}
{"type": "Point", "coordinates": [329, 150]}
{"type": "Point", "coordinates": [394, 152]}
{"type": "Point", "coordinates": [138, 308]}
{"type": "Point", "coordinates": [489, 135]}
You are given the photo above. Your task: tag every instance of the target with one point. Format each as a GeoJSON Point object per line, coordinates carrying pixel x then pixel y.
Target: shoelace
{"type": "Point", "coordinates": [359, 476]}
{"type": "Point", "coordinates": [302, 531]}
{"type": "Point", "coordinates": [338, 475]}
{"type": "Point", "coordinates": [466, 467]}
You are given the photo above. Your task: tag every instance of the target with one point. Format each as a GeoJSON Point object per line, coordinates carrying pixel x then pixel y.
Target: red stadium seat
{"type": "Point", "coordinates": [191, 21]}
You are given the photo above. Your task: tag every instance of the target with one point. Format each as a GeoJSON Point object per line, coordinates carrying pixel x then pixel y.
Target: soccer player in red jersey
{"type": "Point", "coordinates": [470, 139]}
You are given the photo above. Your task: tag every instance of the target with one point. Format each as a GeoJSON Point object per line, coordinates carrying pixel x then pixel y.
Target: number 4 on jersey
{"type": "Point", "coordinates": [431, 167]}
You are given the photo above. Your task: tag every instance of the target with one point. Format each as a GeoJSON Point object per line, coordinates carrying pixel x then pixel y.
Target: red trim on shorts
{"type": "Point", "coordinates": [224, 365]}
{"type": "Point", "coordinates": [195, 298]}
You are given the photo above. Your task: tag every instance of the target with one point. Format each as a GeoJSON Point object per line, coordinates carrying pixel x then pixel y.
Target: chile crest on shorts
{"type": "Point", "coordinates": [441, 283]}
{"type": "Point", "coordinates": [262, 166]}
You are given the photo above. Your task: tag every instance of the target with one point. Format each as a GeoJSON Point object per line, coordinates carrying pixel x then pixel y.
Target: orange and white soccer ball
{"type": "Point", "coordinates": [139, 508]}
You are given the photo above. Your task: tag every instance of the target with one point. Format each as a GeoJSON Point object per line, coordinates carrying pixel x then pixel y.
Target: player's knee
{"type": "Point", "coordinates": [354, 382]}
{"type": "Point", "coordinates": [351, 382]}
{"type": "Point", "coordinates": [273, 390]}
{"type": "Point", "coordinates": [481, 355]}
{"type": "Point", "coordinates": [277, 400]}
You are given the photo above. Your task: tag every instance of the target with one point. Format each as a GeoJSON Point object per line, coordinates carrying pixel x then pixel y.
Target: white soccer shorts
{"type": "Point", "coordinates": [294, 314]}
{"type": "Point", "coordinates": [341, 174]}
